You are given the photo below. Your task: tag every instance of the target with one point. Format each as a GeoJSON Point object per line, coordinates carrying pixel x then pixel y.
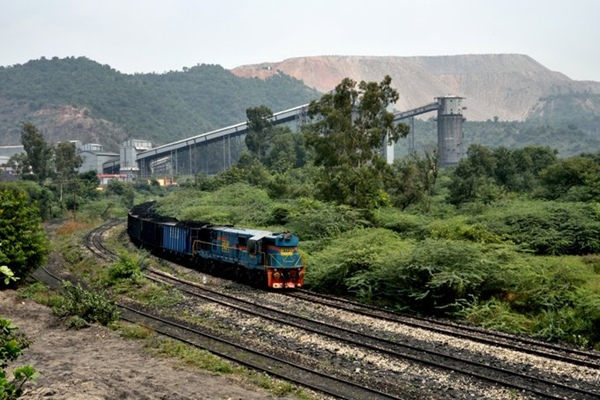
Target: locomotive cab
{"type": "Point", "coordinates": [283, 262]}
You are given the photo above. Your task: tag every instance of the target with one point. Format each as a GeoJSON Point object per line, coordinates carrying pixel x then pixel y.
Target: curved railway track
{"type": "Point", "coordinates": [94, 242]}
{"type": "Point", "coordinates": [536, 385]}
{"type": "Point", "coordinates": [512, 342]}
{"type": "Point", "coordinates": [192, 335]}
{"type": "Point", "coordinates": [502, 376]}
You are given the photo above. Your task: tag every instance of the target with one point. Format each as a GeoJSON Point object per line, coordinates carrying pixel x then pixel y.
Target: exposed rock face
{"type": "Point", "coordinates": [507, 86]}
{"type": "Point", "coordinates": [57, 122]}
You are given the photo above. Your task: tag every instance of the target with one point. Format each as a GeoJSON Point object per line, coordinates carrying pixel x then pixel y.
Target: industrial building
{"type": "Point", "coordinates": [96, 159]}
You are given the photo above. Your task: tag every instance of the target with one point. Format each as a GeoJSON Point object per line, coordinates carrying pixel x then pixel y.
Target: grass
{"type": "Point", "coordinates": [191, 356]}
{"type": "Point", "coordinates": [71, 227]}
{"type": "Point", "coordinates": [155, 295]}
{"type": "Point", "coordinates": [41, 294]}
{"type": "Point", "coordinates": [131, 331]}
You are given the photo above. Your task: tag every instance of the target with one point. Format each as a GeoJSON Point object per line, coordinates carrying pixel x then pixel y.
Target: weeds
{"type": "Point", "coordinates": [41, 294]}
{"type": "Point", "coordinates": [125, 268]}
{"type": "Point", "coordinates": [130, 331]}
{"type": "Point", "coordinates": [90, 306]}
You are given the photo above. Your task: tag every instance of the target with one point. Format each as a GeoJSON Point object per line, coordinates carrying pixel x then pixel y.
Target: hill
{"type": "Point", "coordinates": [77, 98]}
{"type": "Point", "coordinates": [506, 86]}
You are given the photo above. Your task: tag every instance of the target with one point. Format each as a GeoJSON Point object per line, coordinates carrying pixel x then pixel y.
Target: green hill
{"type": "Point", "coordinates": [77, 98]}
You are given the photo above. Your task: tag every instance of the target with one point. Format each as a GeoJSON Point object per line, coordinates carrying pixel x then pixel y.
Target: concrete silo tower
{"type": "Point", "coordinates": [450, 130]}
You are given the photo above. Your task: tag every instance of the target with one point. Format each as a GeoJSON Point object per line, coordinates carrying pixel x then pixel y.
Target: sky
{"type": "Point", "coordinates": [140, 36]}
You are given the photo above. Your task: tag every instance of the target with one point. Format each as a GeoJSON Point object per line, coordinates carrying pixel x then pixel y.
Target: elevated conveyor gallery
{"type": "Point", "coordinates": [215, 151]}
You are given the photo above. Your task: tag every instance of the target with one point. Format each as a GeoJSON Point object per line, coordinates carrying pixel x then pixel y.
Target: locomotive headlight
{"type": "Point", "coordinates": [276, 275]}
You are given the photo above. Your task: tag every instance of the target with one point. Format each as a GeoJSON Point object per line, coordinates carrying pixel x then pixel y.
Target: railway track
{"type": "Point", "coordinates": [512, 342]}
{"type": "Point", "coordinates": [257, 360]}
{"type": "Point", "coordinates": [502, 376]}
{"type": "Point", "coordinates": [94, 242]}
{"type": "Point", "coordinates": [194, 336]}
{"type": "Point", "coordinates": [524, 382]}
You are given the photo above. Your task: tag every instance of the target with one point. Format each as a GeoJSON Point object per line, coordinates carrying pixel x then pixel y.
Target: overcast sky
{"type": "Point", "coordinates": [161, 35]}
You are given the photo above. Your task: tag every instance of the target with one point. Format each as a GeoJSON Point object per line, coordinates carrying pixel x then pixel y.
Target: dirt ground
{"type": "Point", "coordinates": [96, 363]}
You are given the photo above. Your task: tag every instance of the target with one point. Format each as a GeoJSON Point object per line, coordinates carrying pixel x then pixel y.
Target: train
{"type": "Point", "coordinates": [258, 257]}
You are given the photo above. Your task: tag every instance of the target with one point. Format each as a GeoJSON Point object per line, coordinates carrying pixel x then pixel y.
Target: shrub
{"type": "Point", "coordinates": [125, 268]}
{"type": "Point", "coordinates": [458, 228]}
{"type": "Point", "coordinates": [407, 225]}
{"type": "Point", "coordinates": [556, 299]}
{"type": "Point", "coordinates": [12, 345]}
{"type": "Point", "coordinates": [440, 274]}
{"type": "Point", "coordinates": [6, 275]}
{"type": "Point", "coordinates": [312, 219]}
{"type": "Point", "coordinates": [547, 228]}
{"type": "Point", "coordinates": [91, 306]}
{"type": "Point", "coordinates": [350, 263]}
{"type": "Point", "coordinates": [77, 323]}
{"type": "Point", "coordinates": [432, 277]}
{"type": "Point", "coordinates": [497, 315]}
{"type": "Point", "coordinates": [23, 243]}
{"type": "Point", "coordinates": [235, 204]}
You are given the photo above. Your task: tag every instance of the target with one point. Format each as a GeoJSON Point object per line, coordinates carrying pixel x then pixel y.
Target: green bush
{"type": "Point", "coordinates": [77, 323]}
{"type": "Point", "coordinates": [91, 306]}
{"type": "Point", "coordinates": [237, 204]}
{"type": "Point", "coordinates": [23, 243]}
{"type": "Point", "coordinates": [457, 228]}
{"type": "Point", "coordinates": [497, 315]}
{"type": "Point", "coordinates": [12, 345]}
{"type": "Point", "coordinates": [556, 299]}
{"type": "Point", "coordinates": [441, 274]}
{"type": "Point", "coordinates": [314, 220]}
{"type": "Point", "coordinates": [104, 207]}
{"type": "Point", "coordinates": [125, 268]}
{"type": "Point", "coordinates": [432, 276]}
{"type": "Point", "coordinates": [407, 225]}
{"type": "Point", "coordinates": [7, 276]}
{"type": "Point", "coordinates": [350, 263]}
{"type": "Point", "coordinates": [548, 228]}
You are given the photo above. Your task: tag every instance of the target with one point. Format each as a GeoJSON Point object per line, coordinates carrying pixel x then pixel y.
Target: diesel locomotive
{"type": "Point", "coordinates": [258, 257]}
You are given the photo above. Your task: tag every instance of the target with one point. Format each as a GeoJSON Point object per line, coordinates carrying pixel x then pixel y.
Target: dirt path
{"type": "Point", "coordinates": [96, 363]}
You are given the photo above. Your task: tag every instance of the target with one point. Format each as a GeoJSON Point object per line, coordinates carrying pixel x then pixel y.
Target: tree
{"type": "Point", "coordinates": [276, 147]}
{"type": "Point", "coordinates": [541, 157]}
{"type": "Point", "coordinates": [23, 243]}
{"type": "Point", "coordinates": [260, 131]}
{"type": "Point", "coordinates": [286, 152]}
{"type": "Point", "coordinates": [486, 174]}
{"type": "Point", "coordinates": [413, 179]}
{"type": "Point", "coordinates": [18, 162]}
{"type": "Point", "coordinates": [88, 184]}
{"type": "Point", "coordinates": [576, 178]}
{"type": "Point", "coordinates": [473, 176]}
{"type": "Point", "coordinates": [351, 126]}
{"type": "Point", "coordinates": [67, 161]}
{"type": "Point", "coordinates": [39, 152]}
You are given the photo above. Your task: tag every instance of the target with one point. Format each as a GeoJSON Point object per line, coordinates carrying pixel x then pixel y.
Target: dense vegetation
{"type": "Point", "coordinates": [507, 239]}
{"type": "Point", "coordinates": [157, 107]}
